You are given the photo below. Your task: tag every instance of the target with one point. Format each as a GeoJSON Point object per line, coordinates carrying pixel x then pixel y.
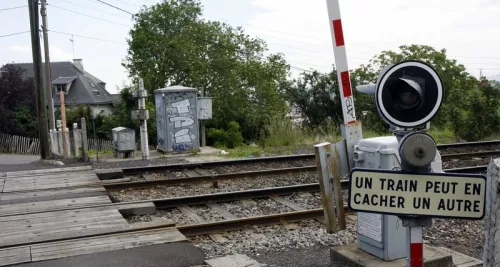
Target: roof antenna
{"type": "Point", "coordinates": [73, 45]}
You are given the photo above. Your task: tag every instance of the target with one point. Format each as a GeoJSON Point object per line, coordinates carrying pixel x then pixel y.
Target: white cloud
{"type": "Point", "coordinates": [20, 48]}
{"type": "Point", "coordinates": [465, 28]}
{"type": "Point", "coordinates": [57, 54]}
{"type": "Point", "coordinates": [23, 53]}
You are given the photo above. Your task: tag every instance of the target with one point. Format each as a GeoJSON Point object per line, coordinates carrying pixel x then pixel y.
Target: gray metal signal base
{"type": "Point", "coordinates": [380, 235]}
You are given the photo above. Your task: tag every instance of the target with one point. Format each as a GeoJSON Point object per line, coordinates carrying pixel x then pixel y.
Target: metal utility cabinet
{"type": "Point", "coordinates": [124, 142]}
{"type": "Point", "coordinates": [380, 235]}
{"type": "Point", "coordinates": [177, 119]}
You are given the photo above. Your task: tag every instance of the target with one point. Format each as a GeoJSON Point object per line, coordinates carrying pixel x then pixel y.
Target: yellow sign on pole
{"type": "Point", "coordinates": [439, 195]}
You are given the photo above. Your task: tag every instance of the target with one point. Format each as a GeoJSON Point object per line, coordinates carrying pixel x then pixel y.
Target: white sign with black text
{"type": "Point", "coordinates": [427, 194]}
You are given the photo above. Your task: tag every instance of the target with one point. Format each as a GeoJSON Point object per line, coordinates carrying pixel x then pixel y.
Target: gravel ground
{"type": "Point", "coordinates": [464, 236]}
{"type": "Point", "coordinates": [469, 149]}
{"type": "Point", "coordinates": [227, 169]}
{"type": "Point", "coordinates": [207, 213]}
{"type": "Point", "coordinates": [311, 200]}
{"type": "Point", "coordinates": [173, 214]}
{"type": "Point", "coordinates": [275, 238]}
{"type": "Point", "coordinates": [265, 165]}
{"type": "Point", "coordinates": [136, 163]}
{"type": "Point", "coordinates": [460, 163]}
{"type": "Point", "coordinates": [207, 187]}
{"type": "Point", "coordinates": [255, 207]}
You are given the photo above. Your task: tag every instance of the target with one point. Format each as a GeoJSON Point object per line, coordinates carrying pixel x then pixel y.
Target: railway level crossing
{"type": "Point", "coordinates": [393, 179]}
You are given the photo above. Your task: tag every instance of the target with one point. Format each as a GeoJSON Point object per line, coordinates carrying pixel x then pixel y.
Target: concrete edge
{"type": "Point", "coordinates": [52, 162]}
{"type": "Point", "coordinates": [109, 174]}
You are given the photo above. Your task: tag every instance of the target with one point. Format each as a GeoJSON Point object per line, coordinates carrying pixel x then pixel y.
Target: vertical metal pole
{"type": "Point", "coordinates": [414, 225]}
{"type": "Point", "coordinates": [63, 120]}
{"type": "Point", "coordinates": [95, 137]}
{"type": "Point", "coordinates": [85, 145]}
{"type": "Point", "coordinates": [144, 124]}
{"type": "Point", "coordinates": [415, 246]}
{"type": "Point", "coordinates": [202, 126]}
{"type": "Point", "coordinates": [48, 88]}
{"type": "Point", "coordinates": [37, 65]}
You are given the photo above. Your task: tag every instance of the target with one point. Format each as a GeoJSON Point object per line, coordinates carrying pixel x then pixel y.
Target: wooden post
{"type": "Point", "coordinates": [39, 92]}
{"type": "Point", "coordinates": [491, 253]}
{"type": "Point", "coordinates": [76, 139]}
{"type": "Point", "coordinates": [63, 130]}
{"type": "Point", "coordinates": [328, 165]}
{"type": "Point", "coordinates": [85, 145]}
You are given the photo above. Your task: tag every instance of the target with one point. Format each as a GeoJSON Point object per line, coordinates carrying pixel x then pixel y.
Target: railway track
{"type": "Point", "coordinates": [221, 204]}
{"type": "Point", "coordinates": [216, 178]}
{"type": "Point", "coordinates": [227, 220]}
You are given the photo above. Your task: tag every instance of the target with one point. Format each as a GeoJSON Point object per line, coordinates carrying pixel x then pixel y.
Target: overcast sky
{"type": "Point", "coordinates": [468, 29]}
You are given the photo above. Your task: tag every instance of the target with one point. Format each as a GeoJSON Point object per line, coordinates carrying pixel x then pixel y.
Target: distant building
{"type": "Point", "coordinates": [79, 86]}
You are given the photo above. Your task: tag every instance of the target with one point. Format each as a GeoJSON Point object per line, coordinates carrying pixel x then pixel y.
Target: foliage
{"type": "Point", "coordinates": [480, 117]}
{"type": "Point", "coordinates": [170, 44]}
{"type": "Point", "coordinates": [455, 78]}
{"type": "Point", "coordinates": [281, 132]}
{"type": "Point", "coordinates": [316, 95]}
{"type": "Point", "coordinates": [229, 138]}
{"type": "Point", "coordinates": [17, 103]}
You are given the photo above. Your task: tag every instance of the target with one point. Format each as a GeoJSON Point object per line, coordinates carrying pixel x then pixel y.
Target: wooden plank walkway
{"type": "Point", "coordinates": [49, 214]}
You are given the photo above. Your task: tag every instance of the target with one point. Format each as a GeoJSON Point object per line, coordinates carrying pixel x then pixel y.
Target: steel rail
{"type": "Point", "coordinates": [468, 144]}
{"type": "Point", "coordinates": [470, 154]}
{"type": "Point", "coordinates": [210, 227]}
{"type": "Point", "coordinates": [211, 164]}
{"type": "Point", "coordinates": [232, 196]}
{"type": "Point", "coordinates": [181, 166]}
{"type": "Point", "coordinates": [237, 175]}
{"type": "Point", "coordinates": [206, 178]}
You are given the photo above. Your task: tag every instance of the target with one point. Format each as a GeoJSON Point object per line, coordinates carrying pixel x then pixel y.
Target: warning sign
{"type": "Point", "coordinates": [430, 194]}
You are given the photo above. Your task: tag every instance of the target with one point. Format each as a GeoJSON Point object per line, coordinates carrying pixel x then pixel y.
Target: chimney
{"type": "Point", "coordinates": [78, 64]}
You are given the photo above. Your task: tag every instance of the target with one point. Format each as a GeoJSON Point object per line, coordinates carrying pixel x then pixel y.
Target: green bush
{"type": "Point", "coordinates": [281, 132]}
{"type": "Point", "coordinates": [229, 138]}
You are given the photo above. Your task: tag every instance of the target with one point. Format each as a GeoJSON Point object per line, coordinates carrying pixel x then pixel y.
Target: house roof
{"type": "Point", "coordinates": [85, 89]}
{"type": "Point", "coordinates": [64, 80]}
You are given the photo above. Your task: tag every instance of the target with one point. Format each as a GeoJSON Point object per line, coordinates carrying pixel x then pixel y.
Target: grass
{"type": "Point", "coordinates": [283, 139]}
{"type": "Point", "coordinates": [93, 152]}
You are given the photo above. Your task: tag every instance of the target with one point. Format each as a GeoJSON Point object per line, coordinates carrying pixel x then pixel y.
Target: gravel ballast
{"type": "Point", "coordinates": [103, 164]}
{"type": "Point", "coordinates": [464, 236]}
{"type": "Point", "coordinates": [248, 183]}
{"type": "Point", "coordinates": [299, 235]}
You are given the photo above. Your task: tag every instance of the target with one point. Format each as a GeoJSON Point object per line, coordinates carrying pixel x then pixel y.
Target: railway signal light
{"type": "Point", "coordinates": [407, 94]}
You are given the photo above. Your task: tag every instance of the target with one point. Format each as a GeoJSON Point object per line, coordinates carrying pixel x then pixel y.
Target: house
{"type": "Point", "coordinates": [79, 86]}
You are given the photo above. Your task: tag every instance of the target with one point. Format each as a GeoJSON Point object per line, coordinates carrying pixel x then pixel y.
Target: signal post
{"type": "Point", "coordinates": [408, 95]}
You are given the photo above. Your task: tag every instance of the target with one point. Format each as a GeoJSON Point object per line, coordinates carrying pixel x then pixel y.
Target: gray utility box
{"type": "Point", "coordinates": [380, 235]}
{"type": "Point", "coordinates": [177, 119]}
{"type": "Point", "coordinates": [124, 142]}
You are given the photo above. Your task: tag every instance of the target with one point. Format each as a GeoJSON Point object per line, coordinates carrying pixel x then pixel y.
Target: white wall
{"type": "Point", "coordinates": [105, 110]}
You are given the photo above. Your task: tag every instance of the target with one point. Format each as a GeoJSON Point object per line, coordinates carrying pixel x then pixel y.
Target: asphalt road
{"type": "Point", "coordinates": [180, 254]}
{"type": "Point", "coordinates": [11, 163]}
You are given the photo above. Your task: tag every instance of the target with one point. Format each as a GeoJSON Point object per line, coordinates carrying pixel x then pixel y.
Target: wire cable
{"type": "Point", "coordinates": [12, 34]}
{"type": "Point", "coordinates": [10, 8]}
{"type": "Point", "coordinates": [114, 7]}
{"type": "Point", "coordinates": [68, 10]}
{"type": "Point", "coordinates": [87, 37]}
{"type": "Point", "coordinates": [76, 4]}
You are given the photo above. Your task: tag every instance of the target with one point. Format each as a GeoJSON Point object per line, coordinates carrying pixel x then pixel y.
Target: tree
{"type": "Point", "coordinates": [316, 95]}
{"type": "Point", "coordinates": [480, 117]}
{"type": "Point", "coordinates": [170, 44]}
{"type": "Point", "coordinates": [17, 103]}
